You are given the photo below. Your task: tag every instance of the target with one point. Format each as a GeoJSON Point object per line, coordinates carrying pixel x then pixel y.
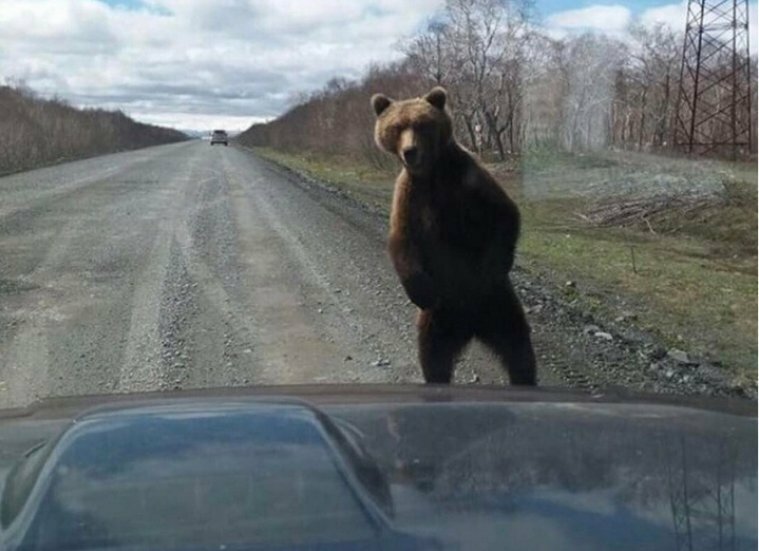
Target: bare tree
{"type": "Point", "coordinates": [35, 131]}
{"type": "Point", "coordinates": [589, 70]}
{"type": "Point", "coordinates": [505, 89]}
{"type": "Point", "coordinates": [651, 80]}
{"type": "Point", "coordinates": [430, 54]}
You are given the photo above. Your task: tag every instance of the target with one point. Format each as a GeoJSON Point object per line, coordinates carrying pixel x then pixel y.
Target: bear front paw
{"type": "Point", "coordinates": [419, 290]}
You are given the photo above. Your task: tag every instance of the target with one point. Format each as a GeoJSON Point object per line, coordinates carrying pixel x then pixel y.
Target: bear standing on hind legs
{"type": "Point", "coordinates": [453, 232]}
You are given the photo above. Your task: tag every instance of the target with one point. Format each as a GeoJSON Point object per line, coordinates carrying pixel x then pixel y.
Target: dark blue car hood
{"type": "Point", "coordinates": [247, 472]}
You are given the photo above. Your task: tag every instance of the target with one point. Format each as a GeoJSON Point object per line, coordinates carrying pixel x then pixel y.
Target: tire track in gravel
{"type": "Point", "coordinates": [291, 345]}
{"type": "Point", "coordinates": [210, 335]}
{"type": "Point", "coordinates": [60, 323]}
{"type": "Point", "coordinates": [141, 369]}
{"type": "Point", "coordinates": [186, 330]}
{"type": "Point", "coordinates": [18, 204]}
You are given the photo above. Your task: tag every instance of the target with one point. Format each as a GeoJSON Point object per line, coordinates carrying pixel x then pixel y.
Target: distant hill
{"type": "Point", "coordinates": [35, 132]}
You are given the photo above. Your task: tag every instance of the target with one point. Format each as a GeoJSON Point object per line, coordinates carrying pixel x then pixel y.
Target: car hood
{"type": "Point", "coordinates": [382, 468]}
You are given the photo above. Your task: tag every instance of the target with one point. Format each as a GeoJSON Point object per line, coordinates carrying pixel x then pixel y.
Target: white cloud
{"type": "Point", "coordinates": [609, 19]}
{"type": "Point", "coordinates": [615, 20]}
{"type": "Point", "coordinates": [187, 62]}
{"type": "Point", "coordinates": [672, 15]}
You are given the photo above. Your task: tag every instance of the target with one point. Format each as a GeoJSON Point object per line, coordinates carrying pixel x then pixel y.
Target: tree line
{"type": "Point", "coordinates": [512, 88]}
{"type": "Point", "coordinates": [36, 131]}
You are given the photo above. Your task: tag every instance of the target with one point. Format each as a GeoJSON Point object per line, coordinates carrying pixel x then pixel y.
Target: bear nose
{"type": "Point", "coordinates": [410, 155]}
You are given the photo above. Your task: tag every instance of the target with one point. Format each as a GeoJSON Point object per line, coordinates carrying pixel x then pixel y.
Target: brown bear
{"type": "Point", "coordinates": [453, 233]}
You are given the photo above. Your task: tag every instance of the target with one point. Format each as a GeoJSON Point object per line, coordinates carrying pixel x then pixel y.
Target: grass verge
{"type": "Point", "coordinates": [693, 283]}
{"type": "Point", "coordinates": [369, 184]}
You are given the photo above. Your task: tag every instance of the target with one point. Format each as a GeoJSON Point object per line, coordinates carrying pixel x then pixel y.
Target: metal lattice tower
{"type": "Point", "coordinates": [714, 100]}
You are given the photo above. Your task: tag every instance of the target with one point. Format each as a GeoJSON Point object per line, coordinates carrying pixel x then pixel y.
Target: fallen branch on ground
{"type": "Point", "coordinates": [625, 212]}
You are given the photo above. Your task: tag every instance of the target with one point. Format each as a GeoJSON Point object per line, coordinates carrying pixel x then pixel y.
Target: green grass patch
{"type": "Point", "coordinates": [673, 286]}
{"type": "Point", "coordinates": [547, 159]}
{"type": "Point", "coordinates": [692, 283]}
{"type": "Point", "coordinates": [370, 184]}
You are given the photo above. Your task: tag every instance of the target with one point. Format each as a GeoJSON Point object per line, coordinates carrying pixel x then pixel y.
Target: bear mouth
{"type": "Point", "coordinates": [416, 167]}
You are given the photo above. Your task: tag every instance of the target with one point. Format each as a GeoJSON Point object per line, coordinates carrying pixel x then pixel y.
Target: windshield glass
{"type": "Point", "coordinates": [617, 245]}
{"type": "Point", "coordinates": [215, 195]}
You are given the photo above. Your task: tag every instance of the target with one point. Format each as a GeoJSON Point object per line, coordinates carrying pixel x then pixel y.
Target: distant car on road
{"type": "Point", "coordinates": [219, 136]}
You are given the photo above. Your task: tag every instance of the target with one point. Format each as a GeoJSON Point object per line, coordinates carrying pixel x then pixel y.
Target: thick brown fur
{"type": "Point", "coordinates": [453, 234]}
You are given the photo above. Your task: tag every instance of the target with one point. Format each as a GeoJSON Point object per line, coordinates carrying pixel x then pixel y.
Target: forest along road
{"type": "Point", "coordinates": [187, 266]}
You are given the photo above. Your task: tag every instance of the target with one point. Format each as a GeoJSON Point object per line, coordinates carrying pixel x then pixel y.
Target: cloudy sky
{"type": "Point", "coordinates": [197, 64]}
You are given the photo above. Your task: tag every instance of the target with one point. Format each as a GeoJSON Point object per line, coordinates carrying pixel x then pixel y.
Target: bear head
{"type": "Point", "coordinates": [416, 130]}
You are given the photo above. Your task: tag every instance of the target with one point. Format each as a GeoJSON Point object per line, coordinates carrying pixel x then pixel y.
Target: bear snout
{"type": "Point", "coordinates": [408, 148]}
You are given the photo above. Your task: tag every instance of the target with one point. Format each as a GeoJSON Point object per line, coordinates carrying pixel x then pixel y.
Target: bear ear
{"type": "Point", "coordinates": [380, 102]}
{"type": "Point", "coordinates": [437, 97]}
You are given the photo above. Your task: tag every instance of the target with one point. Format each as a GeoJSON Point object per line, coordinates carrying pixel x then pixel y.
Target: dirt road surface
{"type": "Point", "coordinates": [187, 266]}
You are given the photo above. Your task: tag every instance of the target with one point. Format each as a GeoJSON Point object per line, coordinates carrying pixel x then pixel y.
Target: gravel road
{"type": "Point", "coordinates": [187, 266]}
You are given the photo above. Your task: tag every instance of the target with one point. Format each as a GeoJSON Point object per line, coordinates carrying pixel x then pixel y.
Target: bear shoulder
{"type": "Point", "coordinates": [479, 180]}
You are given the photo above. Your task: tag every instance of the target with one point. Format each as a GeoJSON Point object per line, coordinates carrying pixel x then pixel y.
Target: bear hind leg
{"type": "Point", "coordinates": [505, 331]}
{"type": "Point", "coordinates": [441, 340]}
